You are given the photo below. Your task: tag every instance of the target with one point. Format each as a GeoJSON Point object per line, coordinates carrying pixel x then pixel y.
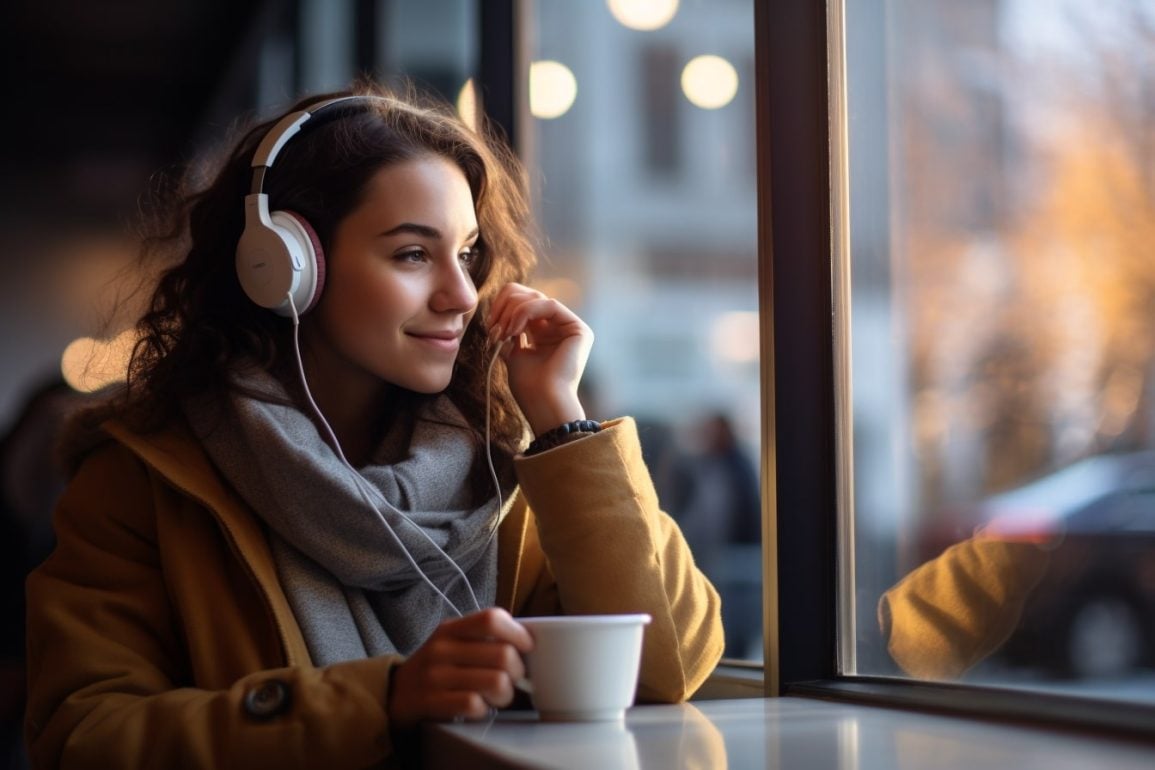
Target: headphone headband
{"type": "Point", "coordinates": [285, 129]}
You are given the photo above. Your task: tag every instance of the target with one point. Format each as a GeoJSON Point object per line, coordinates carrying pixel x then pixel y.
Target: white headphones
{"type": "Point", "coordinates": [279, 253]}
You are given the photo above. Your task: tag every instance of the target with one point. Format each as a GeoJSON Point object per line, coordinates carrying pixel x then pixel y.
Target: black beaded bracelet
{"type": "Point", "coordinates": [552, 438]}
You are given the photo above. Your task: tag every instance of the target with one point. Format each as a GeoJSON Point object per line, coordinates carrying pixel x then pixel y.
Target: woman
{"type": "Point", "coordinates": [227, 590]}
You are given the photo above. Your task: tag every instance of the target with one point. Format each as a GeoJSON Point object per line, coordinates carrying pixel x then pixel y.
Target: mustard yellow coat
{"type": "Point", "coordinates": [155, 622]}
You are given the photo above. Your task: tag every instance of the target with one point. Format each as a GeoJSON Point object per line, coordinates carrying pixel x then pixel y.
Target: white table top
{"type": "Point", "coordinates": [773, 733]}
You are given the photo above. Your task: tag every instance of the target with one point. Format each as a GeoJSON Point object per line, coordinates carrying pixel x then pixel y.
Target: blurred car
{"type": "Point", "coordinates": [1093, 613]}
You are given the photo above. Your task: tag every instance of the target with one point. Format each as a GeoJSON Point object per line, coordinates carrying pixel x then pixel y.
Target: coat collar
{"type": "Point", "coordinates": [177, 456]}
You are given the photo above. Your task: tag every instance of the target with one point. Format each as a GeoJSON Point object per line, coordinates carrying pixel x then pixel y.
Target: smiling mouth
{"type": "Point", "coordinates": [439, 340]}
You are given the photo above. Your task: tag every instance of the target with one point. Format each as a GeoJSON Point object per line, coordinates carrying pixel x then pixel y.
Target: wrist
{"type": "Point", "coordinates": [548, 414]}
{"type": "Point", "coordinates": [563, 434]}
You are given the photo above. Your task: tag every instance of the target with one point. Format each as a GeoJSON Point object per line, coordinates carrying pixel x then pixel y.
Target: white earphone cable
{"type": "Point", "coordinates": [362, 484]}
{"type": "Point", "coordinates": [489, 443]}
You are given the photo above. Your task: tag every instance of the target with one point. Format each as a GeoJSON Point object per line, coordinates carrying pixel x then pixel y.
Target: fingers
{"type": "Point", "coordinates": [493, 623]}
{"type": "Point", "coordinates": [494, 685]}
{"type": "Point", "coordinates": [481, 655]}
{"type": "Point", "coordinates": [446, 691]}
{"type": "Point", "coordinates": [504, 306]}
{"type": "Point", "coordinates": [518, 309]}
{"type": "Point", "coordinates": [468, 666]}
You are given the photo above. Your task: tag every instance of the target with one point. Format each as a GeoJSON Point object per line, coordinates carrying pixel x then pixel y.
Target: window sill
{"type": "Point", "coordinates": [733, 679]}
{"type": "Point", "coordinates": [1099, 717]}
{"type": "Point", "coordinates": [789, 731]}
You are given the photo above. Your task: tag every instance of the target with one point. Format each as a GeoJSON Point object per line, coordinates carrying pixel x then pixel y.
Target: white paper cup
{"type": "Point", "coordinates": [584, 668]}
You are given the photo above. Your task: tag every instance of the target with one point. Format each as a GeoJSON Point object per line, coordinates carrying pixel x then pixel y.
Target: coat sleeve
{"type": "Point", "coordinates": [109, 678]}
{"type": "Point", "coordinates": [955, 610]}
{"type": "Point", "coordinates": [610, 549]}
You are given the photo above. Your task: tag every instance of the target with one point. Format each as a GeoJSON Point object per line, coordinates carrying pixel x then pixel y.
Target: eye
{"type": "Point", "coordinates": [410, 256]}
{"type": "Point", "coordinates": [470, 255]}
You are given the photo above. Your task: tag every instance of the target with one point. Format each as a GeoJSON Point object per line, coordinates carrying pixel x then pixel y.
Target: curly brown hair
{"type": "Point", "coordinates": [200, 326]}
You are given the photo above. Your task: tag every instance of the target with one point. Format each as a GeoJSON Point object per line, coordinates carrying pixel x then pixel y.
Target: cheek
{"type": "Point", "coordinates": [351, 314]}
{"type": "Point", "coordinates": [367, 294]}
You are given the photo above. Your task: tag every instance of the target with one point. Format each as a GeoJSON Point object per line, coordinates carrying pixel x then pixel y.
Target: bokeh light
{"type": "Point", "coordinates": [709, 81]}
{"type": "Point", "coordinates": [89, 364]}
{"type": "Point", "coordinates": [643, 15]}
{"type": "Point", "coordinates": [552, 89]}
{"type": "Point", "coordinates": [467, 104]}
{"type": "Point", "coordinates": [734, 336]}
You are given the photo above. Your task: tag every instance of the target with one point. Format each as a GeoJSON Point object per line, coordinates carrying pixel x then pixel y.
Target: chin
{"type": "Point", "coordinates": [431, 390]}
{"type": "Point", "coordinates": [428, 381]}
{"type": "Point", "coordinates": [427, 387]}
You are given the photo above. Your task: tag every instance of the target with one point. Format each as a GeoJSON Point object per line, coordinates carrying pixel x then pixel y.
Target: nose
{"type": "Point", "coordinates": [455, 292]}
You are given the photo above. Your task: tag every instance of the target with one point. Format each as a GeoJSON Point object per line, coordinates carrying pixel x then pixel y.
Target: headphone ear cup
{"type": "Point", "coordinates": [312, 280]}
{"type": "Point", "coordinates": [276, 259]}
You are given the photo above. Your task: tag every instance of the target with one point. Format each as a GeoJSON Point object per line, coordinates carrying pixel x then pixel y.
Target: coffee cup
{"type": "Point", "coordinates": [584, 668]}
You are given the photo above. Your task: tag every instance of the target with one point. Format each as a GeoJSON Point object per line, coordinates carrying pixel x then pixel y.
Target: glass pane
{"type": "Point", "coordinates": [643, 164]}
{"type": "Point", "coordinates": [431, 44]}
{"type": "Point", "coordinates": [1001, 171]}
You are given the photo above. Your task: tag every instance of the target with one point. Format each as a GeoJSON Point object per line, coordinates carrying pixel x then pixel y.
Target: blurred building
{"type": "Point", "coordinates": [647, 201]}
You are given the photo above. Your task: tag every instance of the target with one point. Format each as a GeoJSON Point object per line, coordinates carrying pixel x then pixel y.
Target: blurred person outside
{"type": "Point", "coordinates": [716, 500]}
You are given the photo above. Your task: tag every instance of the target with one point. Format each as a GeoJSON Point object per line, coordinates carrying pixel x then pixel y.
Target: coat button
{"type": "Point", "coordinates": [267, 700]}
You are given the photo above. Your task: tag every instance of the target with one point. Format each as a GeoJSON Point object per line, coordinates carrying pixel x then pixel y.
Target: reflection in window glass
{"type": "Point", "coordinates": [648, 204]}
{"type": "Point", "coordinates": [1001, 168]}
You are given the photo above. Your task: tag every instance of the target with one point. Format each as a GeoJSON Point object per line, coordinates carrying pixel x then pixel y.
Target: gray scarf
{"type": "Point", "coordinates": [352, 588]}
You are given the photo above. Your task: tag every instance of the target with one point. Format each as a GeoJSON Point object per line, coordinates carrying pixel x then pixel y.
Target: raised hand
{"type": "Point", "coordinates": [546, 357]}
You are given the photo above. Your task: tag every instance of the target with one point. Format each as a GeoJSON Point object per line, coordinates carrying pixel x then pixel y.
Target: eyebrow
{"type": "Point", "coordinates": [425, 231]}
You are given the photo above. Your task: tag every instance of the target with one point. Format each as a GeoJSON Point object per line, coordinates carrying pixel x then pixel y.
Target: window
{"type": "Point", "coordinates": [432, 44]}
{"type": "Point", "coordinates": [995, 351]}
{"type": "Point", "coordinates": [645, 196]}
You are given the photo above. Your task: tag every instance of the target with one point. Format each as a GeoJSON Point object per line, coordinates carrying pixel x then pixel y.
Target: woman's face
{"type": "Point", "coordinates": [398, 293]}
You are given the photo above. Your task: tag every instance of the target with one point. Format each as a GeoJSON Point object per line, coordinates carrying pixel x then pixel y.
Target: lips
{"type": "Point", "coordinates": [446, 335]}
{"type": "Point", "coordinates": [442, 341]}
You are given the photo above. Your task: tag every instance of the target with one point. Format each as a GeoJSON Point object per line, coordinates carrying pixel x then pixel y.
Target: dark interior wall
{"type": "Point", "coordinates": [98, 97]}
